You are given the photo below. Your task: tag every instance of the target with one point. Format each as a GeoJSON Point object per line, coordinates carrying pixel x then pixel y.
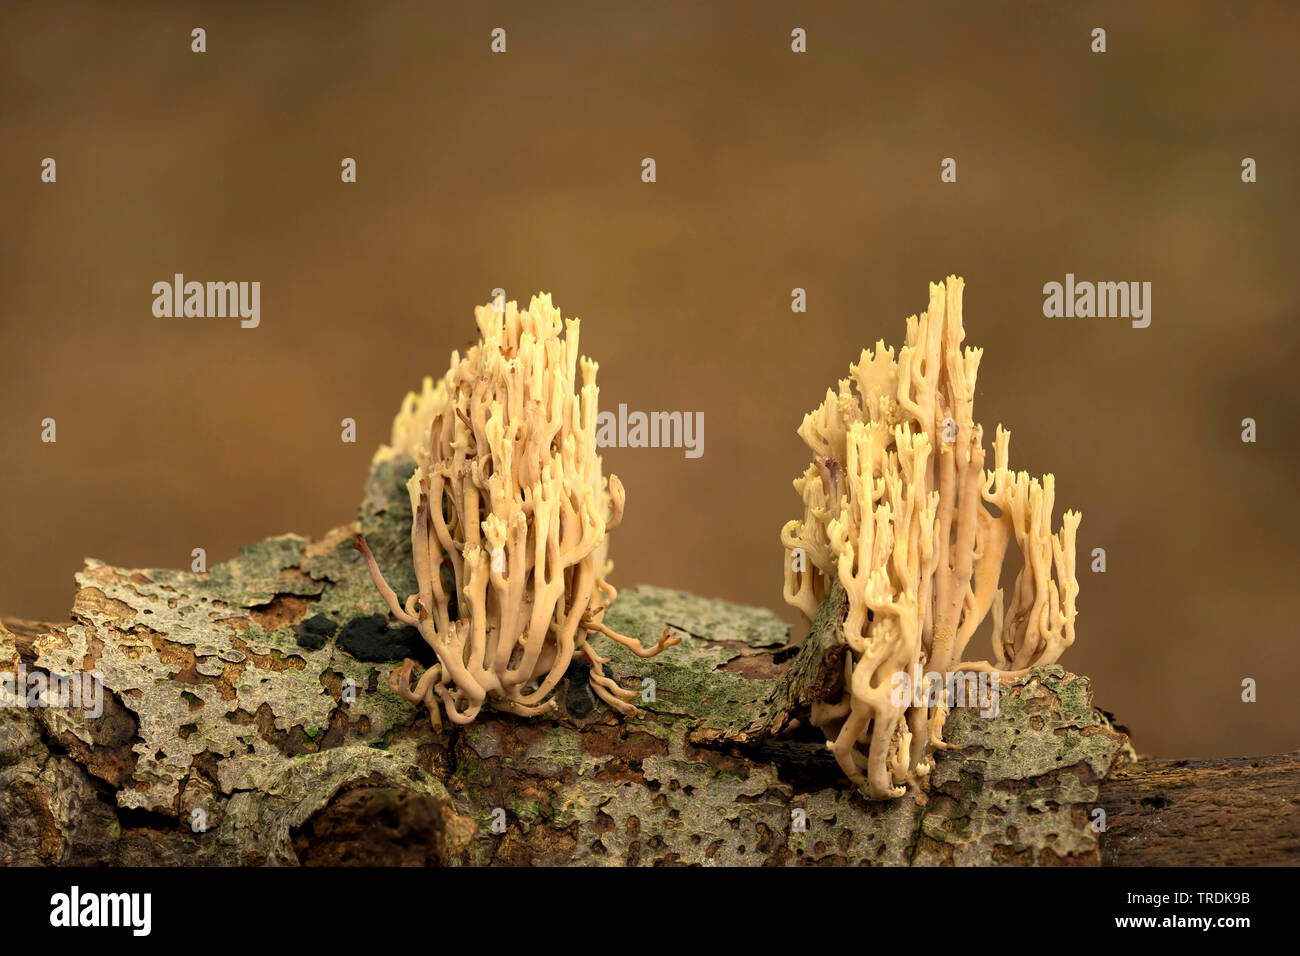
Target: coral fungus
{"type": "Point", "coordinates": [899, 507]}
{"type": "Point", "coordinates": [510, 517]}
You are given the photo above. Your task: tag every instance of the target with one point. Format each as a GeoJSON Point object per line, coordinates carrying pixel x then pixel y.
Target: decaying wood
{"type": "Point", "coordinates": [247, 719]}
{"type": "Point", "coordinates": [1238, 811]}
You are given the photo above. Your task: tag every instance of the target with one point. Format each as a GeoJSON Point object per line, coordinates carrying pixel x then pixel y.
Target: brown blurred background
{"type": "Point", "coordinates": [775, 170]}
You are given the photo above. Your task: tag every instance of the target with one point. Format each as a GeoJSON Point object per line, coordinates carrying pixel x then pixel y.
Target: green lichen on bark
{"type": "Point", "coordinates": [385, 521]}
{"type": "Point", "coordinates": [700, 683]}
{"type": "Point", "coordinates": [233, 718]}
{"type": "Point", "coordinates": [208, 673]}
{"type": "Point", "coordinates": [674, 788]}
{"type": "Point", "coordinates": [1026, 782]}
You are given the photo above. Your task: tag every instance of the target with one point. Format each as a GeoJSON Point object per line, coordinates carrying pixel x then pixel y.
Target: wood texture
{"type": "Point", "coordinates": [1239, 811]}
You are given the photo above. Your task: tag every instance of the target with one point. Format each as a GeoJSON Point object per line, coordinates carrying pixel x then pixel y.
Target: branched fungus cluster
{"type": "Point", "coordinates": [510, 517]}
{"type": "Point", "coordinates": [898, 505]}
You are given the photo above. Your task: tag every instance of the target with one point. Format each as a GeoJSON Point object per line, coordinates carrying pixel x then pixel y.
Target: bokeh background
{"type": "Point", "coordinates": [775, 171]}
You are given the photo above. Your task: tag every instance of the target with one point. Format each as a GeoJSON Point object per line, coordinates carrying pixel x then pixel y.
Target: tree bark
{"type": "Point", "coordinates": [1236, 811]}
{"type": "Point", "coordinates": [246, 719]}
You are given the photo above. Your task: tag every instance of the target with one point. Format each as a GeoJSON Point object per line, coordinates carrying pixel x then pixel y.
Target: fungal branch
{"type": "Point", "coordinates": [899, 507]}
{"type": "Point", "coordinates": [511, 513]}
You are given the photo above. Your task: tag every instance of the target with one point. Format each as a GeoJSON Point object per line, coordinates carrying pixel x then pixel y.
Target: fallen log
{"type": "Point", "coordinates": [246, 719]}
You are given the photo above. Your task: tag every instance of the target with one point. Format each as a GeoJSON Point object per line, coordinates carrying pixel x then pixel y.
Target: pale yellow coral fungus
{"type": "Point", "coordinates": [511, 508]}
{"type": "Point", "coordinates": [897, 507]}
